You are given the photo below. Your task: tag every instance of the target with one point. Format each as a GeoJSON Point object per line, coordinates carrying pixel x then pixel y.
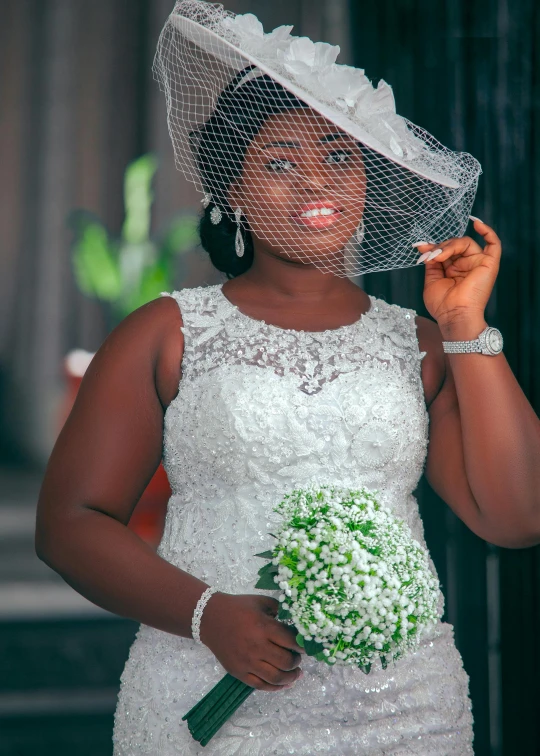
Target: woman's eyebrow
{"type": "Point", "coordinates": [323, 139]}
{"type": "Point", "coordinates": [333, 137]}
{"type": "Point", "coordinates": [282, 144]}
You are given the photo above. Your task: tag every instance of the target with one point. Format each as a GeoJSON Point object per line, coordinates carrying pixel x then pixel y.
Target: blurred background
{"type": "Point", "coordinates": [95, 221]}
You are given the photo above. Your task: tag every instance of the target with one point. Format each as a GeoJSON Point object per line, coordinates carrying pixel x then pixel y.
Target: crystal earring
{"type": "Point", "coordinates": [239, 241]}
{"type": "Point", "coordinates": [215, 215]}
{"type": "Point", "coordinates": [206, 200]}
{"type": "Point", "coordinates": [359, 233]}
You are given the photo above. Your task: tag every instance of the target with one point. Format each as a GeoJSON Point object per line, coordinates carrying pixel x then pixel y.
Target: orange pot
{"type": "Point", "coordinates": [148, 517]}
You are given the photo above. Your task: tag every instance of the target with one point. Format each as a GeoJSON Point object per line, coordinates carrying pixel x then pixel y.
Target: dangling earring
{"type": "Point", "coordinates": [215, 215]}
{"type": "Point", "coordinates": [239, 241]}
{"type": "Point", "coordinates": [206, 200]}
{"type": "Point", "coordinates": [359, 233]}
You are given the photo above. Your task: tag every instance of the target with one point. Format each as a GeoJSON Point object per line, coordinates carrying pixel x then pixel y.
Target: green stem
{"type": "Point", "coordinates": [227, 715]}
{"type": "Point", "coordinates": [210, 697]}
{"type": "Point", "coordinates": [199, 726]}
{"type": "Point", "coordinates": [197, 723]}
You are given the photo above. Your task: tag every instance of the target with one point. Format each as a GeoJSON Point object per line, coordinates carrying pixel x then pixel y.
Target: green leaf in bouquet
{"type": "Point", "coordinates": [266, 583]}
{"type": "Point", "coordinates": [320, 656]}
{"type": "Point", "coordinates": [265, 555]}
{"type": "Point", "coordinates": [312, 647]}
{"type": "Point", "coordinates": [384, 663]}
{"type": "Point", "coordinates": [268, 569]}
{"type": "Point", "coordinates": [366, 668]}
{"type": "Point", "coordinates": [300, 640]}
{"type": "Point", "coordinates": [283, 614]}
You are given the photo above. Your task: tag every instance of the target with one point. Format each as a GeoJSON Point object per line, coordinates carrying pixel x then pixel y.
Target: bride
{"type": "Point", "coordinates": [286, 374]}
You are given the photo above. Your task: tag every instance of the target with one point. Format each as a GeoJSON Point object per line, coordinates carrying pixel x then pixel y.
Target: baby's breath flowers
{"type": "Point", "coordinates": [353, 581]}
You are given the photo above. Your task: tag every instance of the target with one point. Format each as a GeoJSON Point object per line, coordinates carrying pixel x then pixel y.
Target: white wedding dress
{"type": "Point", "coordinates": [261, 410]}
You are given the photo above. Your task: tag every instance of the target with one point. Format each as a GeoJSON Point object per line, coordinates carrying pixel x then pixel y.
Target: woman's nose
{"type": "Point", "coordinates": [312, 179]}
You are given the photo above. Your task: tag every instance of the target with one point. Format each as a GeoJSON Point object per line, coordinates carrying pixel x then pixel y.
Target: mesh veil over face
{"type": "Point", "coordinates": [306, 155]}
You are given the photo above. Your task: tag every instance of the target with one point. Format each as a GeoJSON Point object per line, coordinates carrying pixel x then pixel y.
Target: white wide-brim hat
{"type": "Point", "coordinates": [340, 93]}
{"type": "Point", "coordinates": [203, 50]}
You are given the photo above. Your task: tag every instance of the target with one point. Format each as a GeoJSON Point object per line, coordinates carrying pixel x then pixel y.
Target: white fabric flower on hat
{"type": "Point", "coordinates": [344, 83]}
{"type": "Point", "coordinates": [247, 23]}
{"type": "Point", "coordinates": [303, 58]}
{"type": "Point", "coordinates": [372, 101]}
{"type": "Point", "coordinates": [253, 38]}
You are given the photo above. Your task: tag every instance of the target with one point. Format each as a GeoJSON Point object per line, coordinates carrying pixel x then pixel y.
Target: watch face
{"type": "Point", "coordinates": [494, 340]}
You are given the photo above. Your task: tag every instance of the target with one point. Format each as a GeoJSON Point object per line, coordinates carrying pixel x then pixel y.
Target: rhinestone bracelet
{"type": "Point", "coordinates": [197, 614]}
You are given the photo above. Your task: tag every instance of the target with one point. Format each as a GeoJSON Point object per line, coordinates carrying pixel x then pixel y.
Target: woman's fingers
{"type": "Point", "coordinates": [462, 246]}
{"type": "Point", "coordinates": [285, 636]}
{"type": "Point", "coordinates": [493, 246]}
{"type": "Point", "coordinates": [257, 682]}
{"type": "Point", "coordinates": [281, 657]}
{"type": "Point", "coordinates": [275, 676]}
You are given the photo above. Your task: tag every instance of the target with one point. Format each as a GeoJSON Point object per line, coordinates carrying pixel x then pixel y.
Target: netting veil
{"type": "Point", "coordinates": [303, 154]}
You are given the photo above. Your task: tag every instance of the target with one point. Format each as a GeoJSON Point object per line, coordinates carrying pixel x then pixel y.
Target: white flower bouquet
{"type": "Point", "coordinates": [354, 582]}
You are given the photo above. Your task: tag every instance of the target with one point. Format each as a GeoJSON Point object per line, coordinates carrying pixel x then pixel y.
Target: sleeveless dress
{"type": "Point", "coordinates": [262, 410]}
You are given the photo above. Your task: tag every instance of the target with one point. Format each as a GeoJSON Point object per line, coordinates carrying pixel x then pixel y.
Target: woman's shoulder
{"type": "Point", "coordinates": [194, 298]}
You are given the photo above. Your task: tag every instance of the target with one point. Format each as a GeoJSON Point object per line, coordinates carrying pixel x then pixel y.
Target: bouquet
{"type": "Point", "coordinates": [354, 582]}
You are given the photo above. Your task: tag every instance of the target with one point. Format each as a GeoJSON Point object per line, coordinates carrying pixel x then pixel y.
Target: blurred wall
{"type": "Point", "coordinates": [78, 102]}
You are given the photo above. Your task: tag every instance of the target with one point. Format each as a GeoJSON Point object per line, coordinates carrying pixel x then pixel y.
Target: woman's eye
{"type": "Point", "coordinates": [279, 165]}
{"type": "Point", "coordinates": [339, 156]}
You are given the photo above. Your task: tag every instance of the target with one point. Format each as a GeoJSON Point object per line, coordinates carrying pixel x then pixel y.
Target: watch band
{"type": "Point", "coordinates": [458, 347]}
{"type": "Point", "coordinates": [489, 342]}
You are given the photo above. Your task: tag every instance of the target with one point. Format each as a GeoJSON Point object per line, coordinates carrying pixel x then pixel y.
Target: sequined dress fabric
{"type": "Point", "coordinates": [262, 410]}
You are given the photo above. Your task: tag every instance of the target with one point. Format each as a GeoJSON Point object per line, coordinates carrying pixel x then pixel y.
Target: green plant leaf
{"type": "Point", "coordinates": [265, 555]}
{"type": "Point", "coordinates": [181, 236]}
{"type": "Point", "coordinates": [95, 268]}
{"type": "Point", "coordinates": [138, 199]}
{"type": "Point", "coordinates": [300, 640]}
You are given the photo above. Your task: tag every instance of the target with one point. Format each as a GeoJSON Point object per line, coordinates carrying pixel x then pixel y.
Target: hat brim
{"type": "Point", "coordinates": [233, 56]}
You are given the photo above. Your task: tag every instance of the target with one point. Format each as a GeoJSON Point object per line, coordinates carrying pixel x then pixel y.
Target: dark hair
{"type": "Point", "coordinates": [219, 147]}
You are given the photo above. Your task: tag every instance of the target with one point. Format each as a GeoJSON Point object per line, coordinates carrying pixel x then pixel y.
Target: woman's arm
{"type": "Point", "coordinates": [484, 445]}
{"type": "Point", "coordinates": [104, 457]}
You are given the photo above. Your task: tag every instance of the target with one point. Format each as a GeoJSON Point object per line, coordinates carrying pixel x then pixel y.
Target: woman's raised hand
{"type": "Point", "coordinates": [252, 645]}
{"type": "Point", "coordinates": [460, 279]}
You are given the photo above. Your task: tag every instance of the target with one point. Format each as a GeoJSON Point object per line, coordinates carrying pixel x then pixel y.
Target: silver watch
{"type": "Point", "coordinates": [490, 341]}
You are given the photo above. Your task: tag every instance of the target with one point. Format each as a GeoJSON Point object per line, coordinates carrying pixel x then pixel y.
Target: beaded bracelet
{"type": "Point", "coordinates": [197, 614]}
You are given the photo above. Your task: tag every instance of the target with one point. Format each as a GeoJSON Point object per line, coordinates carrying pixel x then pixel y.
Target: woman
{"type": "Point", "coordinates": [286, 374]}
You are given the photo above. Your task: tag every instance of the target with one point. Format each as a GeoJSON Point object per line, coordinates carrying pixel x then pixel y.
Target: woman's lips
{"type": "Point", "coordinates": [317, 215]}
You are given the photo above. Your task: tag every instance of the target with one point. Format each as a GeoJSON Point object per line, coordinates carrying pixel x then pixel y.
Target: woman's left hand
{"type": "Point", "coordinates": [460, 279]}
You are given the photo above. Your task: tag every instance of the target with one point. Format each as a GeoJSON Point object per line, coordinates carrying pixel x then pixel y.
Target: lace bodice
{"type": "Point", "coordinates": [263, 409]}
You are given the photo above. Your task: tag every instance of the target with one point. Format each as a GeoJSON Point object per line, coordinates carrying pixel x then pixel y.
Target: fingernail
{"type": "Point", "coordinates": [423, 257]}
{"type": "Point", "coordinates": [419, 244]}
{"type": "Point", "coordinates": [473, 217]}
{"type": "Point", "coordinates": [434, 254]}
